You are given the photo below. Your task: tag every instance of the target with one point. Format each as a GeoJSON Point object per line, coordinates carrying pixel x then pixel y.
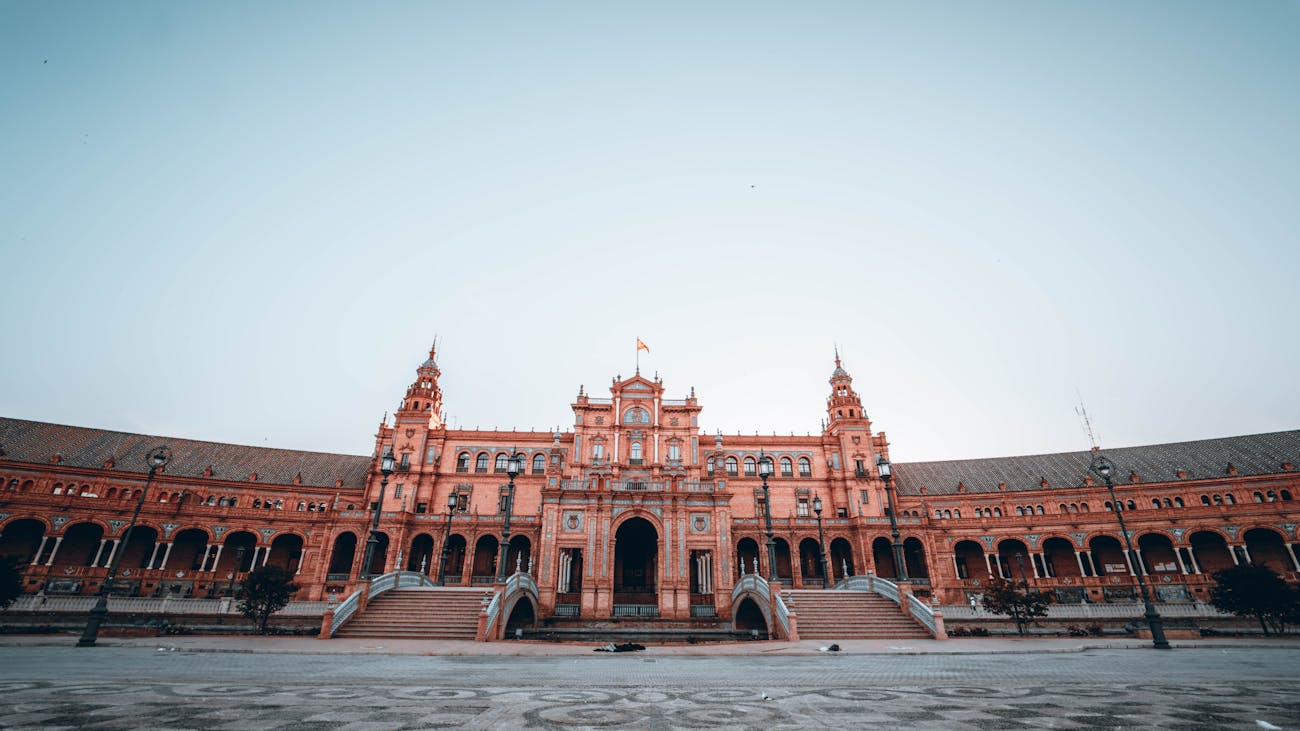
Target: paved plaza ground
{"type": "Point", "coordinates": [215, 683]}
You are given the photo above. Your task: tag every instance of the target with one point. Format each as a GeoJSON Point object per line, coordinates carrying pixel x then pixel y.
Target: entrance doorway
{"type": "Point", "coordinates": [636, 562]}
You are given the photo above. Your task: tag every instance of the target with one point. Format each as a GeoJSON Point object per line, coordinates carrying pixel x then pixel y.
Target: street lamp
{"type": "Point", "coordinates": [442, 563]}
{"type": "Point", "coordinates": [514, 466]}
{"type": "Point", "coordinates": [372, 543]}
{"type": "Point", "coordinates": [900, 563]}
{"type": "Point", "coordinates": [765, 471]}
{"type": "Point", "coordinates": [1103, 468]}
{"type": "Point", "coordinates": [157, 458]}
{"type": "Point", "coordinates": [1024, 578]}
{"type": "Point", "coordinates": [821, 541]}
{"type": "Point", "coordinates": [234, 570]}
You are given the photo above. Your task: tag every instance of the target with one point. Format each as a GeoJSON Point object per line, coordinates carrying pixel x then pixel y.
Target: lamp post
{"type": "Point", "coordinates": [157, 458]}
{"type": "Point", "coordinates": [442, 563]}
{"type": "Point", "coordinates": [1024, 578]}
{"type": "Point", "coordinates": [900, 563]}
{"type": "Point", "coordinates": [234, 570]}
{"type": "Point", "coordinates": [514, 466]}
{"type": "Point", "coordinates": [372, 543]}
{"type": "Point", "coordinates": [821, 541]}
{"type": "Point", "coordinates": [765, 471]}
{"type": "Point", "coordinates": [1104, 468]}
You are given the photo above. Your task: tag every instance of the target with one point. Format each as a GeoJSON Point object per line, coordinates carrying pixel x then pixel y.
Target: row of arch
{"type": "Point", "coordinates": [785, 466]}
{"type": "Point", "coordinates": [480, 566]}
{"type": "Point", "coordinates": [1155, 553]}
{"type": "Point", "coordinates": [500, 464]}
{"type": "Point", "coordinates": [751, 557]}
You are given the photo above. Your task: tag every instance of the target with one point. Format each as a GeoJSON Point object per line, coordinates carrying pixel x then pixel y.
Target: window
{"type": "Point", "coordinates": [732, 468]}
{"type": "Point", "coordinates": [462, 502]}
{"type": "Point", "coordinates": [406, 461]}
{"type": "Point", "coordinates": [480, 462]}
{"type": "Point", "coordinates": [597, 451]}
{"type": "Point", "coordinates": [1205, 499]}
{"type": "Point", "coordinates": [675, 452]}
{"type": "Point", "coordinates": [1020, 511]}
{"type": "Point", "coordinates": [539, 463]}
{"type": "Point", "coordinates": [398, 492]}
{"type": "Point", "coordinates": [1231, 500]}
{"type": "Point", "coordinates": [709, 465]}
{"type": "Point", "coordinates": [760, 505]}
{"type": "Point", "coordinates": [636, 415]}
{"type": "Point", "coordinates": [802, 507]}
{"type": "Point", "coordinates": [859, 469]}
{"type": "Point", "coordinates": [502, 462]}
{"type": "Point", "coordinates": [1155, 502]}
{"type": "Point", "coordinates": [421, 507]}
{"type": "Point", "coordinates": [805, 467]}
{"type": "Point", "coordinates": [636, 452]}
{"type": "Point", "coordinates": [750, 467]}
{"type": "Point", "coordinates": [462, 462]}
{"type": "Point", "coordinates": [1286, 494]}
{"type": "Point", "coordinates": [841, 512]}
{"type": "Point", "coordinates": [1132, 505]}
{"type": "Point", "coordinates": [1179, 502]}
{"type": "Point", "coordinates": [956, 513]}
{"type": "Point", "coordinates": [787, 467]}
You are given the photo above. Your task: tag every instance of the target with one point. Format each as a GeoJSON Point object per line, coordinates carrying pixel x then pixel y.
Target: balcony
{"type": "Point", "coordinates": [636, 462]}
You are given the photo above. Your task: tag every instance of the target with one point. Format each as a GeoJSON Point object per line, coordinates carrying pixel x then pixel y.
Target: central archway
{"type": "Point", "coordinates": [636, 562]}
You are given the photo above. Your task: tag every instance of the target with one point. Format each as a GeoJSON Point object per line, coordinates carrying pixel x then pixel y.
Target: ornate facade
{"type": "Point", "coordinates": [635, 512]}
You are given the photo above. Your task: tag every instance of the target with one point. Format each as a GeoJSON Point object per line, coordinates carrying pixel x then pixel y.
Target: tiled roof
{"type": "Point", "coordinates": [1255, 454]}
{"type": "Point", "coordinates": [36, 442]}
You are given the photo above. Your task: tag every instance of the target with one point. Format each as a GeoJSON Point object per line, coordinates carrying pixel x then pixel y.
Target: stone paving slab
{"type": "Point", "coordinates": [371, 646]}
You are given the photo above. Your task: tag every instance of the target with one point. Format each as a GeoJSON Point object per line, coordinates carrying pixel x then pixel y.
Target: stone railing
{"type": "Point", "coordinates": [397, 580]}
{"type": "Point", "coordinates": [1127, 610]}
{"type": "Point", "coordinates": [151, 605]}
{"type": "Point", "coordinates": [343, 612]}
{"type": "Point", "coordinates": [923, 613]}
{"type": "Point", "coordinates": [521, 582]}
{"type": "Point", "coordinates": [751, 582]}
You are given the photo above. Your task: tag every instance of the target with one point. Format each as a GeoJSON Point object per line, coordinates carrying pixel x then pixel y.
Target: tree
{"type": "Point", "coordinates": [1256, 591]}
{"type": "Point", "coordinates": [11, 580]}
{"type": "Point", "coordinates": [265, 591]}
{"type": "Point", "coordinates": [1017, 601]}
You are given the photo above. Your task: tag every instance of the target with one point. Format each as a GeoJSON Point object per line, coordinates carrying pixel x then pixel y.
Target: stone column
{"type": "Point", "coordinates": [217, 559]}
{"type": "Point", "coordinates": [1290, 551]}
{"type": "Point", "coordinates": [166, 555]}
{"type": "Point", "coordinates": [58, 541]}
{"type": "Point", "coordinates": [1078, 558]}
{"type": "Point", "coordinates": [39, 550]}
{"type": "Point", "coordinates": [98, 552]}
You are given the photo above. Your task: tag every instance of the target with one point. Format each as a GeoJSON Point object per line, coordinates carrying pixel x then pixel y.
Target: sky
{"type": "Point", "coordinates": [246, 222]}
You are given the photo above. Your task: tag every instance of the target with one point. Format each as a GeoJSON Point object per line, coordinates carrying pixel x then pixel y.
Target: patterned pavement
{"type": "Point", "coordinates": [248, 692]}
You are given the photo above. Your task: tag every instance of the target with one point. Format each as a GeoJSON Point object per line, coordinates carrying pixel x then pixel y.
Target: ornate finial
{"type": "Point", "coordinates": [837, 355]}
{"type": "Point", "coordinates": [580, 391]}
{"type": "Point", "coordinates": [692, 392]}
{"type": "Point", "coordinates": [384, 421]}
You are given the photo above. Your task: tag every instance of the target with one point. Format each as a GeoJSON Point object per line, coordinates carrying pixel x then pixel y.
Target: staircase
{"type": "Point", "coordinates": [420, 614]}
{"type": "Point", "coordinates": [851, 615]}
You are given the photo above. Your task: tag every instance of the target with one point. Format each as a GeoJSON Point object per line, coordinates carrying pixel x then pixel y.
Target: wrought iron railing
{"type": "Point", "coordinates": [568, 610]}
{"type": "Point", "coordinates": [636, 610]}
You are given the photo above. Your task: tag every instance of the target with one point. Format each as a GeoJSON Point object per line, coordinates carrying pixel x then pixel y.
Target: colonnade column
{"type": "Point", "coordinates": [39, 550]}
{"type": "Point", "coordinates": [1178, 556]}
{"type": "Point", "coordinates": [98, 552]}
{"type": "Point", "coordinates": [58, 541]}
{"type": "Point", "coordinates": [1078, 558]}
{"type": "Point", "coordinates": [1034, 560]}
{"type": "Point", "coordinates": [166, 555]}
{"type": "Point", "coordinates": [217, 558]}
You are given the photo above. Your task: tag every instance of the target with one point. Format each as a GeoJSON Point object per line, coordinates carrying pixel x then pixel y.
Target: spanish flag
{"type": "Point", "coordinates": [642, 346]}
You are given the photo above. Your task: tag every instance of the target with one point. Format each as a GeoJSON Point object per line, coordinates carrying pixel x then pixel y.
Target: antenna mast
{"type": "Point", "coordinates": [1086, 422]}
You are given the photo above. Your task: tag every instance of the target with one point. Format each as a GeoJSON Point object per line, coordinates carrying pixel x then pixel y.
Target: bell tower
{"type": "Point", "coordinates": [844, 406]}
{"type": "Point", "coordinates": [423, 400]}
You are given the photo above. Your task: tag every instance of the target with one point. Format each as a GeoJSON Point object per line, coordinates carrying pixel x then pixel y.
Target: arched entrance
{"type": "Point", "coordinates": [456, 549]}
{"type": "Point", "coordinates": [522, 616]}
{"type": "Point", "coordinates": [1059, 558]}
{"type": "Point", "coordinates": [1013, 560]}
{"type": "Point", "coordinates": [749, 618]}
{"type": "Point", "coordinates": [747, 556]}
{"type": "Point", "coordinates": [970, 561]}
{"type": "Point", "coordinates": [420, 557]}
{"type": "Point", "coordinates": [882, 552]}
{"type": "Point", "coordinates": [341, 558]}
{"type": "Point", "coordinates": [1157, 553]}
{"type": "Point", "coordinates": [83, 545]}
{"type": "Point", "coordinates": [485, 560]}
{"type": "Point", "coordinates": [189, 549]}
{"type": "Point", "coordinates": [22, 539]}
{"type": "Point", "coordinates": [842, 558]}
{"type": "Point", "coordinates": [636, 563]}
{"type": "Point", "coordinates": [520, 553]}
{"type": "Point", "coordinates": [286, 552]}
{"type": "Point", "coordinates": [784, 570]}
{"type": "Point", "coordinates": [378, 559]}
{"type": "Point", "coordinates": [810, 565]}
{"type": "Point", "coordinates": [914, 555]}
{"type": "Point", "coordinates": [1266, 548]}
{"type": "Point", "coordinates": [1210, 551]}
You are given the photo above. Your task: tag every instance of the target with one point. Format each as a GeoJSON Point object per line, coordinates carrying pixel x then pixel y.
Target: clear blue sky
{"type": "Point", "coordinates": [245, 221]}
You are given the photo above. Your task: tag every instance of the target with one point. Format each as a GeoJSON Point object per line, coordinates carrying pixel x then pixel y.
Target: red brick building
{"type": "Point", "coordinates": [635, 508]}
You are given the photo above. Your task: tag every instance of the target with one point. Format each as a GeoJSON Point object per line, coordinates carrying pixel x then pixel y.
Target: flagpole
{"type": "Point", "coordinates": [638, 355]}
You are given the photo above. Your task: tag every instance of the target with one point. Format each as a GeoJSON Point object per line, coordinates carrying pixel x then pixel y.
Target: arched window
{"type": "Point", "coordinates": [257, 502]}
{"type": "Point", "coordinates": [787, 467]}
{"type": "Point", "coordinates": [957, 513]}
{"type": "Point", "coordinates": [1132, 505]}
{"type": "Point", "coordinates": [1272, 496]}
{"type": "Point", "coordinates": [462, 462]}
{"type": "Point", "coordinates": [539, 463]}
{"type": "Point", "coordinates": [805, 467]}
{"type": "Point", "coordinates": [1259, 497]}
{"type": "Point", "coordinates": [708, 465]}
{"type": "Point", "coordinates": [636, 415]}
{"type": "Point", "coordinates": [997, 512]}
{"type": "Point", "coordinates": [947, 513]}
{"type": "Point", "coordinates": [1286, 494]}
{"type": "Point", "coordinates": [302, 506]}
{"type": "Point", "coordinates": [938, 513]}
{"type": "Point", "coordinates": [1064, 508]}
{"type": "Point", "coordinates": [1083, 507]}
{"type": "Point", "coordinates": [1218, 499]}
{"type": "Point", "coordinates": [750, 467]}
{"type": "Point", "coordinates": [501, 463]}
{"type": "Point", "coordinates": [1020, 511]}
{"type": "Point", "coordinates": [1179, 502]}
{"type": "Point", "coordinates": [1107, 506]}
{"type": "Point", "coordinates": [1155, 502]}
{"type": "Point", "coordinates": [1205, 499]}
{"type": "Point", "coordinates": [732, 467]}
{"type": "Point", "coordinates": [1229, 497]}
{"type": "Point", "coordinates": [636, 451]}
{"type": "Point", "coordinates": [480, 462]}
